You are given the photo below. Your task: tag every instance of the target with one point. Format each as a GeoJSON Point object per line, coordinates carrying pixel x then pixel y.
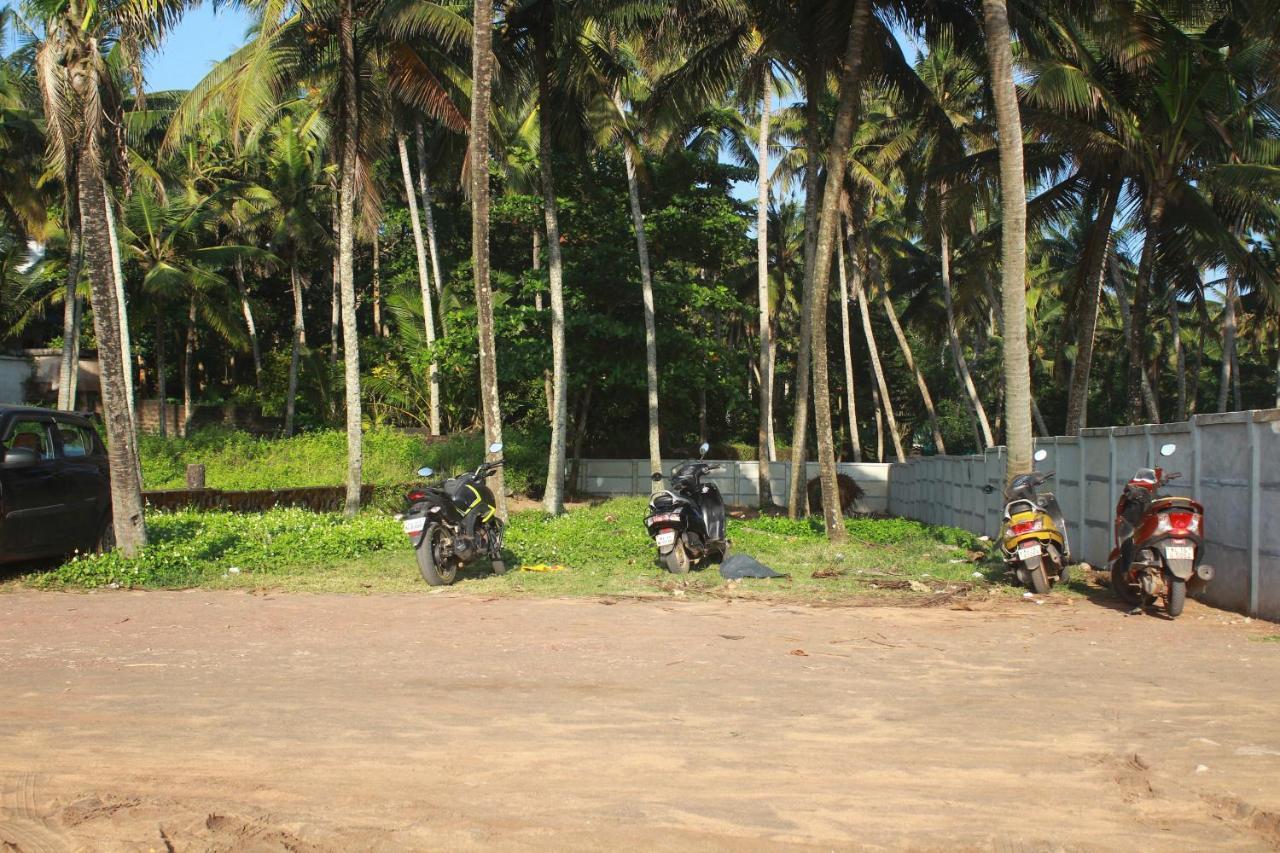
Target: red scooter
{"type": "Point", "coordinates": [1159, 542]}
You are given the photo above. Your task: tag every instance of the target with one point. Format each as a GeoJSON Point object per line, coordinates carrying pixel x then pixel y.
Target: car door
{"type": "Point", "coordinates": [84, 480]}
{"type": "Point", "coordinates": [34, 509]}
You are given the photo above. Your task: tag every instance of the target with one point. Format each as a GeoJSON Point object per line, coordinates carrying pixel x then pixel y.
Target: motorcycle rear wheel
{"type": "Point", "coordinates": [1175, 596]}
{"type": "Point", "coordinates": [677, 560]}
{"type": "Point", "coordinates": [437, 569]}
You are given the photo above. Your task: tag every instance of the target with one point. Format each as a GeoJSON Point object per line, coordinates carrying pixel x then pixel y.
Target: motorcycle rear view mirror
{"type": "Point", "coordinates": [496, 447]}
{"type": "Point", "coordinates": [988, 489]}
{"type": "Point", "coordinates": [1041, 455]}
{"type": "Point", "coordinates": [426, 472]}
{"type": "Point", "coordinates": [1168, 449]}
{"type": "Point", "coordinates": [703, 448]}
{"type": "Point", "coordinates": [656, 476]}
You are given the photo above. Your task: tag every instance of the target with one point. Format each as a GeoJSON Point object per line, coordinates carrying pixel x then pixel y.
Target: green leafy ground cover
{"type": "Point", "coordinates": [603, 549]}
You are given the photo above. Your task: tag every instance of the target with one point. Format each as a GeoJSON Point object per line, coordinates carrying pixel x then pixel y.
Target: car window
{"type": "Point", "coordinates": [32, 435]}
{"type": "Point", "coordinates": [76, 441]}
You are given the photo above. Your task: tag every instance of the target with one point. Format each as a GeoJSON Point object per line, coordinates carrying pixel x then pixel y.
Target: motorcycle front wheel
{"type": "Point", "coordinates": [438, 568]}
{"type": "Point", "coordinates": [677, 560]}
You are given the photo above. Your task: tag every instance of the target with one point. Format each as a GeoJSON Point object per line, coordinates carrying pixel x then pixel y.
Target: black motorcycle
{"type": "Point", "coordinates": [455, 523]}
{"type": "Point", "coordinates": [687, 521]}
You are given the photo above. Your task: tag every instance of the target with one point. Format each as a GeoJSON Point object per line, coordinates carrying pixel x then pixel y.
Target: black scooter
{"type": "Point", "coordinates": [455, 523]}
{"type": "Point", "coordinates": [687, 522]}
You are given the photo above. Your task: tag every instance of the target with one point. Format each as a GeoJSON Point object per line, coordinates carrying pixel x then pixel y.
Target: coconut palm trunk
{"type": "Point", "coordinates": [298, 340]}
{"type": "Point", "coordinates": [764, 433]}
{"type": "Point", "coordinates": [873, 350]}
{"type": "Point", "coordinates": [188, 362]}
{"type": "Point", "coordinates": [1139, 385]}
{"type": "Point", "coordinates": [553, 498]}
{"type": "Point", "coordinates": [69, 365]}
{"type": "Point", "coordinates": [851, 405]}
{"type": "Point", "coordinates": [346, 254]}
{"type": "Point", "coordinates": [1093, 271]}
{"type": "Point", "coordinates": [1228, 340]}
{"type": "Point", "coordinates": [424, 285]}
{"type": "Point", "coordinates": [909, 358]}
{"type": "Point", "coordinates": [375, 259]}
{"type": "Point", "coordinates": [842, 138]}
{"type": "Point", "coordinates": [815, 85]}
{"type": "Point", "coordinates": [482, 77]}
{"type": "Point", "coordinates": [429, 220]}
{"type": "Point", "coordinates": [122, 454]}
{"type": "Point", "coordinates": [650, 320]}
{"type": "Point", "coordinates": [1013, 200]}
{"type": "Point", "coordinates": [162, 392]}
{"type": "Point", "coordinates": [1179, 353]}
{"type": "Point", "coordinates": [977, 412]}
{"type": "Point", "coordinates": [117, 275]}
{"type": "Point", "coordinates": [250, 325]}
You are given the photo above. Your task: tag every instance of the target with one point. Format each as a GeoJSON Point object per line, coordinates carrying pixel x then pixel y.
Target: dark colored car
{"type": "Point", "coordinates": [55, 487]}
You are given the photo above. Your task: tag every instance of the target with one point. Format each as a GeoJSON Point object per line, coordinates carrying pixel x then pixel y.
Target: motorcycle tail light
{"type": "Point", "coordinates": [1023, 527]}
{"type": "Point", "coordinates": [415, 496]}
{"type": "Point", "coordinates": [664, 516]}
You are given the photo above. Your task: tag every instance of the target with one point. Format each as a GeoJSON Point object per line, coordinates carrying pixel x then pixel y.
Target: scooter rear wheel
{"type": "Point", "coordinates": [1037, 578]}
{"type": "Point", "coordinates": [677, 560]}
{"type": "Point", "coordinates": [1175, 596]}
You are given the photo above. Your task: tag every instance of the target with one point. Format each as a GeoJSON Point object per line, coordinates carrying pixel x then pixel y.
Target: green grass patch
{"type": "Point", "coordinates": [604, 551]}
{"type": "Point", "coordinates": [236, 460]}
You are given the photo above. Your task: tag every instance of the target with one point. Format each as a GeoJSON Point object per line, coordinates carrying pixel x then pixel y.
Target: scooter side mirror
{"type": "Point", "coordinates": [656, 476]}
{"type": "Point", "coordinates": [702, 450]}
{"type": "Point", "coordinates": [1041, 455]}
{"type": "Point", "coordinates": [1168, 449]}
{"type": "Point", "coordinates": [425, 472]}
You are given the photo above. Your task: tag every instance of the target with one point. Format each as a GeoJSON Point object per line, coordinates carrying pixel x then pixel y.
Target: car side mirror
{"type": "Point", "coordinates": [20, 457]}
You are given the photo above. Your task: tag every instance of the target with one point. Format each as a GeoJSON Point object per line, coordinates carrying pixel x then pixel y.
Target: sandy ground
{"type": "Point", "coordinates": [229, 721]}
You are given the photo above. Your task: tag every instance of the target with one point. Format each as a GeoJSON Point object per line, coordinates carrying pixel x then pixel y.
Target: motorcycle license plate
{"type": "Point", "coordinates": [1026, 552]}
{"type": "Point", "coordinates": [666, 537]}
{"type": "Point", "coordinates": [1180, 552]}
{"type": "Point", "coordinates": [413, 526]}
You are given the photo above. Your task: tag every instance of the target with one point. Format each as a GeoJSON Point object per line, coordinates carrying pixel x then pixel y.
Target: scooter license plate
{"type": "Point", "coordinates": [1180, 552]}
{"type": "Point", "coordinates": [413, 526]}
{"type": "Point", "coordinates": [666, 537]}
{"type": "Point", "coordinates": [1026, 552]}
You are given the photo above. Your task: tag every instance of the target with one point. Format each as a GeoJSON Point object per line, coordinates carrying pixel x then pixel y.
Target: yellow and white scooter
{"type": "Point", "coordinates": [1033, 537]}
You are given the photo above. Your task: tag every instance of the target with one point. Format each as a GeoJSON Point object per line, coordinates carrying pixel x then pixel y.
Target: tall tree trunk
{"type": "Point", "coordinates": [346, 255]}
{"type": "Point", "coordinates": [815, 84]}
{"type": "Point", "coordinates": [1179, 354]}
{"type": "Point", "coordinates": [69, 366]}
{"type": "Point", "coordinates": [249, 323]}
{"type": "Point", "coordinates": [828, 228]}
{"type": "Point", "coordinates": [122, 451]}
{"type": "Point", "coordinates": [1126, 320]}
{"type": "Point", "coordinates": [117, 275]}
{"type": "Point", "coordinates": [1093, 270]}
{"type": "Point", "coordinates": [424, 285]}
{"type": "Point", "coordinates": [907, 356]}
{"type": "Point", "coordinates": [375, 253]}
{"type": "Point", "coordinates": [553, 499]}
{"type": "Point", "coordinates": [188, 359]}
{"type": "Point", "coordinates": [548, 388]}
{"type": "Point", "coordinates": [482, 75]}
{"type": "Point", "coordinates": [429, 220]}
{"type": "Point", "coordinates": [1228, 340]}
{"type": "Point", "coordinates": [1193, 393]}
{"type": "Point", "coordinates": [764, 436]}
{"type": "Point", "coordinates": [977, 413]}
{"type": "Point", "coordinates": [298, 340]}
{"type": "Point", "coordinates": [335, 298]}
{"type": "Point", "coordinates": [1013, 202]}
{"type": "Point", "coordinates": [650, 321]}
{"type": "Point", "coordinates": [1140, 391]}
{"type": "Point", "coordinates": [873, 349]}
{"type": "Point", "coordinates": [879, 407]}
{"type": "Point", "coordinates": [162, 407]}
{"type": "Point", "coordinates": [851, 405]}
{"type": "Point", "coordinates": [580, 433]}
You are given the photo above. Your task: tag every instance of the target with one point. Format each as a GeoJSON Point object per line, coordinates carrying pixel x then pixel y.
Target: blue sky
{"type": "Point", "coordinates": [201, 39]}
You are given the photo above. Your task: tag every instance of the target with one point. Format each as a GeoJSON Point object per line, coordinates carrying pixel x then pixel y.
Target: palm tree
{"type": "Point", "coordinates": [481, 91]}
{"type": "Point", "coordinates": [424, 283]}
{"type": "Point", "coordinates": [81, 100]}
